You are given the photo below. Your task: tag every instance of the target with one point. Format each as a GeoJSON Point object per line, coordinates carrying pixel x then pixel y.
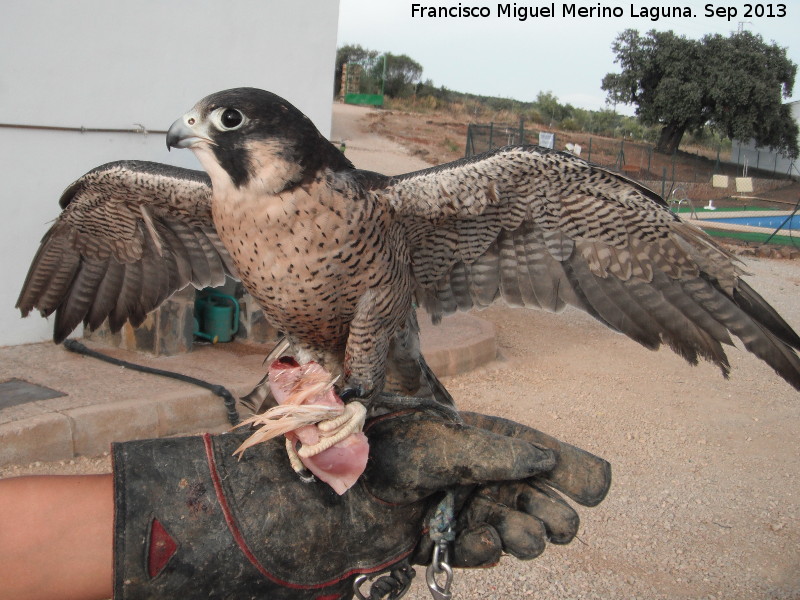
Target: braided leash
{"type": "Point", "coordinates": [442, 535]}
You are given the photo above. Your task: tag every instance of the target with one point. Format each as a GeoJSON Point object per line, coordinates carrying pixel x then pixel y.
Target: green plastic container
{"type": "Point", "coordinates": [217, 317]}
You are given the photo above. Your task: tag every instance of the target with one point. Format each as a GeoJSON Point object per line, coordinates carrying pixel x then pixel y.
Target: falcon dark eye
{"type": "Point", "coordinates": [231, 118]}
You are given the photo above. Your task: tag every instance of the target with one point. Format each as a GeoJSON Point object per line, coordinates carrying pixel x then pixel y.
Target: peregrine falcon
{"type": "Point", "coordinates": [337, 257]}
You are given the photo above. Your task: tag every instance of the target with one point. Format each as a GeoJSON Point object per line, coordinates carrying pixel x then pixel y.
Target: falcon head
{"type": "Point", "coordinates": [250, 138]}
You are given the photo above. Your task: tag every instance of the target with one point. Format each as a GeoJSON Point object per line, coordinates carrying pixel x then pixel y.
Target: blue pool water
{"type": "Point", "coordinates": [767, 222]}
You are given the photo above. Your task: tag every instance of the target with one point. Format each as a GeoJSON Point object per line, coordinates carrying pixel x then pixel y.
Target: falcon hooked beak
{"type": "Point", "coordinates": [194, 128]}
{"type": "Point", "coordinates": [187, 132]}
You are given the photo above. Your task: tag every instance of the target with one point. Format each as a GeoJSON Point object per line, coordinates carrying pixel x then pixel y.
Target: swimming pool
{"type": "Point", "coordinates": [768, 222]}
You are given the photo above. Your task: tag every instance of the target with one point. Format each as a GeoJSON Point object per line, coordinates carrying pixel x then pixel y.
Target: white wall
{"type": "Point", "coordinates": [766, 158]}
{"type": "Point", "coordinates": [101, 64]}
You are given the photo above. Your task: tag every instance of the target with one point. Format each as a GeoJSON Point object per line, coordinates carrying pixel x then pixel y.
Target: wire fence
{"type": "Point", "coordinates": [722, 195]}
{"type": "Point", "coordinates": [363, 82]}
{"type": "Point", "coordinates": [632, 157]}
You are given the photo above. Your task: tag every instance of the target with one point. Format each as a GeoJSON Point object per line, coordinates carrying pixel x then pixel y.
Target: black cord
{"type": "Point", "coordinates": [786, 220]}
{"type": "Point", "coordinates": [230, 401]}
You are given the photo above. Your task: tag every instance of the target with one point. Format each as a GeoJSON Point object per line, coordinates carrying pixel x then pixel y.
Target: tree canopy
{"type": "Point", "coordinates": [400, 72]}
{"type": "Point", "coordinates": [736, 85]}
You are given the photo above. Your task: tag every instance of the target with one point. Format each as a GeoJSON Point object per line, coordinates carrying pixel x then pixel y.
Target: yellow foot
{"type": "Point", "coordinates": [333, 431]}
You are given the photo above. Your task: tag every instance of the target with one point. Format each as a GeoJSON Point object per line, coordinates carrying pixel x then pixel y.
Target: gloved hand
{"type": "Point", "coordinates": [519, 516]}
{"type": "Point", "coordinates": [192, 521]}
{"type": "Point", "coordinates": [516, 516]}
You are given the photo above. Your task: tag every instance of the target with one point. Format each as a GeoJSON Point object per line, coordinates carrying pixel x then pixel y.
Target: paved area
{"type": "Point", "coordinates": [102, 403]}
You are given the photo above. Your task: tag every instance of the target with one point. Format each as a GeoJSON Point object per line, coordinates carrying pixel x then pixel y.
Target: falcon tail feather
{"type": "Point", "coordinates": [754, 305]}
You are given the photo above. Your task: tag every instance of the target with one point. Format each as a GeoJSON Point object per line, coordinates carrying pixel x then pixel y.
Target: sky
{"type": "Point", "coordinates": [500, 55]}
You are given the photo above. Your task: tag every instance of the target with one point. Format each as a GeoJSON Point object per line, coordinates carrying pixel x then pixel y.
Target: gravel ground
{"type": "Point", "coordinates": [706, 495]}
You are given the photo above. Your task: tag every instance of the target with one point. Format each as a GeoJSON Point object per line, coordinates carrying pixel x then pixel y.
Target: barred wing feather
{"type": "Point", "coordinates": [544, 229]}
{"type": "Point", "coordinates": [130, 235]}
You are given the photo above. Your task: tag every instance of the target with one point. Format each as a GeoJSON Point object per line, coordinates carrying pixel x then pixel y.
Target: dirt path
{"type": "Point", "coordinates": [368, 150]}
{"type": "Point", "coordinates": [706, 495]}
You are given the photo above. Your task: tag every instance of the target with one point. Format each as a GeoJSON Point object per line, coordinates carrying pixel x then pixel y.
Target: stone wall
{"type": "Point", "coordinates": [169, 330]}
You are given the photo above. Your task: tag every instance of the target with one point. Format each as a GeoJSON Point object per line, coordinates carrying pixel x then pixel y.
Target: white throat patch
{"type": "Point", "coordinates": [221, 182]}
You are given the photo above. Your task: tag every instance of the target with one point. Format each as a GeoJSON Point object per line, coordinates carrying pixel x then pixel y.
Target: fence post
{"type": "Point", "coordinates": [674, 157]}
{"type": "Point", "coordinates": [663, 182]}
{"type": "Point", "coordinates": [522, 130]}
{"type": "Point", "coordinates": [589, 157]}
{"type": "Point", "coordinates": [739, 156]}
{"type": "Point", "coordinates": [491, 135]}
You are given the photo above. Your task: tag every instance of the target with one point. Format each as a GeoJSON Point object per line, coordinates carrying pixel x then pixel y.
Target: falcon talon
{"type": "Point", "coordinates": [306, 476]}
{"type": "Point", "coordinates": [393, 586]}
{"type": "Point", "coordinates": [298, 467]}
{"type": "Point", "coordinates": [349, 393]}
{"type": "Point", "coordinates": [393, 402]}
{"type": "Point", "coordinates": [332, 445]}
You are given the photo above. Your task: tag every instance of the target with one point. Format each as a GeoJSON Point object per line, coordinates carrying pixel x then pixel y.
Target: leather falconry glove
{"type": "Point", "coordinates": [192, 521]}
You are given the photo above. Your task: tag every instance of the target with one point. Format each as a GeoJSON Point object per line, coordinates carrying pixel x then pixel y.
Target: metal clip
{"type": "Point", "coordinates": [357, 583]}
{"type": "Point", "coordinates": [436, 568]}
{"type": "Point", "coordinates": [392, 589]}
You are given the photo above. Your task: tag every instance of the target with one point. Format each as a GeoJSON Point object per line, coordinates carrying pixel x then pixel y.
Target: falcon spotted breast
{"type": "Point", "coordinates": [336, 256]}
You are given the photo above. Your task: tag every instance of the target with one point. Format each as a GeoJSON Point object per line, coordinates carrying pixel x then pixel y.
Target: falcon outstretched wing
{"type": "Point", "coordinates": [545, 229]}
{"type": "Point", "coordinates": [130, 235]}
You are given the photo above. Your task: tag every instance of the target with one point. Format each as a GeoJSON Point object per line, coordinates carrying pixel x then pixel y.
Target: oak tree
{"type": "Point", "coordinates": [735, 84]}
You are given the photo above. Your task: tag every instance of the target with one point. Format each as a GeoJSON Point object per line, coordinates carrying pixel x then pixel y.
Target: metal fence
{"type": "Point", "coordinates": [606, 152]}
{"type": "Point", "coordinates": [637, 159]}
{"type": "Point", "coordinates": [684, 181]}
{"type": "Point", "coordinates": [748, 156]}
{"type": "Point", "coordinates": [482, 138]}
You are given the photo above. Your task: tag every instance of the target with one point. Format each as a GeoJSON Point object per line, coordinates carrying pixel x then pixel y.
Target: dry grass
{"type": "Point", "coordinates": [436, 132]}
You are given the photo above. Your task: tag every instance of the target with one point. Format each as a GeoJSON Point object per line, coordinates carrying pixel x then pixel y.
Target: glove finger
{"type": "Point", "coordinates": [414, 456]}
{"type": "Point", "coordinates": [521, 534]}
{"type": "Point", "coordinates": [559, 518]}
{"type": "Point", "coordinates": [580, 475]}
{"type": "Point", "coordinates": [479, 546]}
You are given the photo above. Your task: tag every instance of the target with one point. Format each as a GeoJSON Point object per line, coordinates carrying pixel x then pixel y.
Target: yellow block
{"type": "Point", "coordinates": [719, 181]}
{"type": "Point", "coordinates": [744, 184]}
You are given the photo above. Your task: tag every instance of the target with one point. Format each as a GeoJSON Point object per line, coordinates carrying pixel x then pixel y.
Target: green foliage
{"type": "Point", "coordinates": [735, 85]}
{"type": "Point", "coordinates": [350, 54]}
{"type": "Point", "coordinates": [398, 74]}
{"type": "Point", "coordinates": [548, 106]}
{"type": "Point", "coordinates": [402, 73]}
{"type": "Point", "coordinates": [570, 124]}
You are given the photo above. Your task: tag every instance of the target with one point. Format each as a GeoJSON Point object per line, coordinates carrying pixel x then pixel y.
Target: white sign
{"type": "Point", "coordinates": [547, 140]}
